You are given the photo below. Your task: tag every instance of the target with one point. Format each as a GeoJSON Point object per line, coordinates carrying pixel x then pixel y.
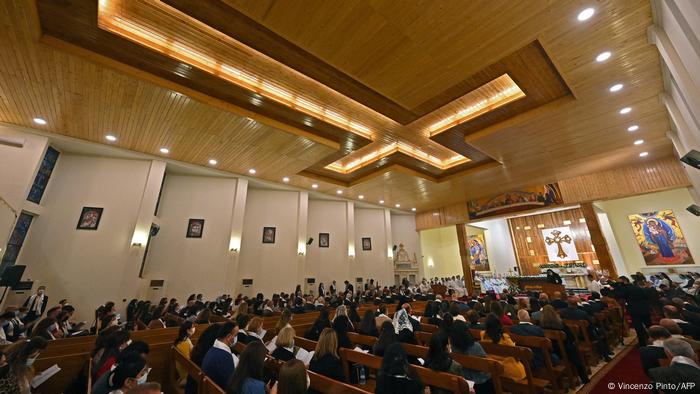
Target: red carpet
{"type": "Point", "coordinates": [627, 371]}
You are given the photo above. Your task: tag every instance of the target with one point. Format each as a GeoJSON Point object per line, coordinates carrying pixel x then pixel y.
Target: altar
{"type": "Point", "coordinates": [538, 284]}
{"type": "Point", "coordinates": [405, 268]}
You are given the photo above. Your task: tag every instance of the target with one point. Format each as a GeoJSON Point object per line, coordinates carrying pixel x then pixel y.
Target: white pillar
{"type": "Point", "coordinates": [350, 268]}
{"type": "Point", "coordinates": [389, 245]}
{"type": "Point", "coordinates": [238, 214]}
{"type": "Point", "coordinates": [302, 224]}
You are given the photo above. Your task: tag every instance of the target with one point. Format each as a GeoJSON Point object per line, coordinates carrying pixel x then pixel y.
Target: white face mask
{"type": "Point", "coordinates": [308, 381]}
{"type": "Point", "coordinates": [142, 379]}
{"type": "Point", "coordinates": [30, 361]}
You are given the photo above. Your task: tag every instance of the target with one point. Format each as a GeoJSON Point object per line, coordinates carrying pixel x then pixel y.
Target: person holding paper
{"type": "Point", "coordinates": [20, 357]}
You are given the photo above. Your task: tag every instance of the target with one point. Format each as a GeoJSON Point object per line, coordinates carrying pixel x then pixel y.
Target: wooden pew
{"type": "Point", "coordinates": [483, 364]}
{"type": "Point", "coordinates": [580, 330]}
{"type": "Point", "coordinates": [327, 385]}
{"type": "Point", "coordinates": [305, 344]}
{"type": "Point", "coordinates": [560, 337]}
{"type": "Point", "coordinates": [209, 387]}
{"type": "Point", "coordinates": [423, 337]}
{"type": "Point", "coordinates": [554, 374]}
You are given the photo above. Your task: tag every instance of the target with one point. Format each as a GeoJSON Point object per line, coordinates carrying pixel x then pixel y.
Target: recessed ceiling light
{"type": "Point", "coordinates": [644, 154]}
{"type": "Point", "coordinates": [110, 137]}
{"type": "Point", "coordinates": [616, 87]}
{"type": "Point", "coordinates": [285, 179]}
{"type": "Point", "coordinates": [413, 209]}
{"type": "Point", "coordinates": [398, 205]}
{"type": "Point", "coordinates": [634, 127]}
{"type": "Point", "coordinates": [339, 191]}
{"type": "Point", "coordinates": [625, 110]}
{"type": "Point", "coordinates": [252, 171]}
{"type": "Point", "coordinates": [638, 142]}
{"type": "Point", "coordinates": [39, 121]}
{"type": "Point", "coordinates": [314, 186]}
{"type": "Point", "coordinates": [603, 56]}
{"type": "Point", "coordinates": [381, 201]}
{"type": "Point", "coordinates": [213, 162]}
{"type": "Point", "coordinates": [361, 197]}
{"type": "Point", "coordinates": [585, 14]}
{"type": "Point", "coordinates": [164, 150]}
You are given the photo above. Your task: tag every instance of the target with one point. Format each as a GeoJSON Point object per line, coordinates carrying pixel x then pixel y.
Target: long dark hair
{"type": "Point", "coordinates": [183, 333]}
{"type": "Point", "coordinates": [250, 365]}
{"type": "Point", "coordinates": [204, 343]}
{"type": "Point", "coordinates": [394, 363]}
{"type": "Point", "coordinates": [368, 326]}
{"type": "Point", "coordinates": [428, 309]}
{"type": "Point", "coordinates": [387, 336]}
{"type": "Point", "coordinates": [494, 329]}
{"type": "Point", "coordinates": [438, 358]}
{"type": "Point", "coordinates": [460, 337]}
{"type": "Point", "coordinates": [341, 325]}
{"type": "Point", "coordinates": [292, 378]}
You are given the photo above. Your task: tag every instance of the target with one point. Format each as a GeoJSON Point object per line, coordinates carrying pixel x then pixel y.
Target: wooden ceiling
{"type": "Point", "coordinates": [394, 67]}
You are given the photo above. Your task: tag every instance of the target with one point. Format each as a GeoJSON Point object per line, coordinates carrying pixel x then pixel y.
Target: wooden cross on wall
{"type": "Point", "coordinates": [558, 240]}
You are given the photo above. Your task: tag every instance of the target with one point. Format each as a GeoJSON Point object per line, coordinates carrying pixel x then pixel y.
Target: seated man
{"type": "Point", "coordinates": [676, 332]}
{"type": "Point", "coordinates": [526, 328]}
{"type": "Point", "coordinates": [683, 373]}
{"type": "Point", "coordinates": [219, 362]}
{"type": "Point", "coordinates": [671, 312]}
{"type": "Point", "coordinates": [558, 300]}
{"type": "Point", "coordinates": [652, 353]}
{"type": "Point", "coordinates": [573, 312]}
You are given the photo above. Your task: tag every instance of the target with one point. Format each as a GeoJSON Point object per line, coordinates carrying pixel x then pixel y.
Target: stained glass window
{"type": "Point", "coordinates": [16, 240]}
{"type": "Point", "coordinates": [42, 177]}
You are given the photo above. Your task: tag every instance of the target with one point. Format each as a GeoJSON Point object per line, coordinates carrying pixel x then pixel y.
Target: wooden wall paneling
{"type": "Point", "coordinates": [598, 240]}
{"type": "Point", "coordinates": [464, 256]}
{"type": "Point", "coordinates": [529, 242]}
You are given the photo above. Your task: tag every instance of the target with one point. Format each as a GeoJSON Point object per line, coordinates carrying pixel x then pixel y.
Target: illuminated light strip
{"type": "Point", "coordinates": [390, 149]}
{"type": "Point", "coordinates": [159, 43]}
{"type": "Point", "coordinates": [505, 96]}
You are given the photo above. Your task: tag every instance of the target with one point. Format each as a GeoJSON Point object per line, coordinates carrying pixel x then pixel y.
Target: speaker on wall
{"type": "Point", "coordinates": [394, 248]}
{"type": "Point", "coordinates": [247, 282]}
{"type": "Point", "coordinates": [310, 241]}
{"type": "Point", "coordinates": [694, 209]}
{"type": "Point", "coordinates": [12, 275]}
{"type": "Point", "coordinates": [692, 158]}
{"type": "Point", "coordinates": [310, 280]}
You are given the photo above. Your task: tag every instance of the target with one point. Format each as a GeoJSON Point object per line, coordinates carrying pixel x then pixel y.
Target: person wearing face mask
{"type": "Point", "coordinates": [47, 328]}
{"type": "Point", "coordinates": [128, 375]}
{"type": "Point", "coordinates": [183, 344]}
{"type": "Point", "coordinates": [5, 320]}
{"type": "Point", "coordinates": [16, 377]}
{"type": "Point", "coordinates": [36, 305]}
{"type": "Point", "coordinates": [101, 385]}
{"type": "Point", "coordinates": [220, 363]}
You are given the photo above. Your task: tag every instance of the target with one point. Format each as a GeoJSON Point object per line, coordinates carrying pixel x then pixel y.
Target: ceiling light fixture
{"type": "Point", "coordinates": [164, 150]}
{"type": "Point", "coordinates": [398, 205]}
{"type": "Point", "coordinates": [314, 186]}
{"type": "Point", "coordinates": [638, 142]}
{"type": "Point", "coordinates": [213, 162]}
{"type": "Point", "coordinates": [39, 121]}
{"type": "Point", "coordinates": [252, 171]}
{"type": "Point", "coordinates": [625, 110]}
{"type": "Point", "coordinates": [110, 137]}
{"type": "Point", "coordinates": [644, 154]}
{"type": "Point", "coordinates": [339, 191]}
{"type": "Point", "coordinates": [381, 201]}
{"type": "Point", "coordinates": [603, 56]}
{"type": "Point", "coordinates": [159, 42]}
{"type": "Point", "coordinates": [616, 87]}
{"type": "Point", "coordinates": [634, 127]}
{"type": "Point", "coordinates": [361, 197]}
{"type": "Point", "coordinates": [285, 179]}
{"type": "Point", "coordinates": [585, 14]}
{"type": "Point", "coordinates": [413, 209]}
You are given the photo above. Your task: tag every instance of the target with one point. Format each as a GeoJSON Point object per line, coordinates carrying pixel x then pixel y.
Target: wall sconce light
{"type": "Point", "coordinates": [352, 256]}
{"type": "Point", "coordinates": [139, 239]}
{"type": "Point", "coordinates": [234, 250]}
{"type": "Point", "coordinates": [139, 244]}
{"type": "Point", "coordinates": [301, 253]}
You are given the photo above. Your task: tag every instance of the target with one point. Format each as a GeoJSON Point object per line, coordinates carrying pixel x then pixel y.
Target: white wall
{"type": "Point", "coordinates": [373, 263]}
{"type": "Point", "coordinates": [441, 248]}
{"type": "Point", "coordinates": [618, 212]}
{"type": "Point", "coordinates": [331, 263]}
{"type": "Point", "coordinates": [499, 245]}
{"type": "Point", "coordinates": [193, 265]}
{"type": "Point", "coordinates": [272, 266]}
{"type": "Point", "coordinates": [87, 267]}
{"type": "Point", "coordinates": [18, 167]}
{"type": "Point", "coordinates": [403, 230]}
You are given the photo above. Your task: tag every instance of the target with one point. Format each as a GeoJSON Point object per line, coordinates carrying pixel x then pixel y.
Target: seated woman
{"type": "Point", "coordinates": [367, 326]}
{"type": "Point", "coordinates": [341, 326]}
{"type": "Point", "coordinates": [16, 375]}
{"type": "Point", "coordinates": [248, 376]}
{"type": "Point", "coordinates": [394, 375]}
{"type": "Point", "coordinates": [462, 341]}
{"type": "Point", "coordinates": [497, 310]}
{"type": "Point", "coordinates": [254, 330]}
{"type": "Point", "coordinates": [387, 336]}
{"type": "Point", "coordinates": [326, 360]}
{"type": "Point", "coordinates": [321, 322]}
{"type": "Point", "coordinates": [439, 359]}
{"type": "Point", "coordinates": [512, 368]}
{"type": "Point", "coordinates": [183, 344]}
{"type": "Point", "coordinates": [550, 320]}
{"type": "Point", "coordinates": [293, 379]}
{"type": "Point", "coordinates": [284, 345]}
{"type": "Point", "coordinates": [116, 342]}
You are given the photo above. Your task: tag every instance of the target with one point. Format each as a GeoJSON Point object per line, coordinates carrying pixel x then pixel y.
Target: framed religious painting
{"type": "Point", "coordinates": [367, 243]}
{"type": "Point", "coordinates": [195, 228]}
{"type": "Point", "coordinates": [323, 240]}
{"type": "Point", "coordinates": [269, 235]}
{"type": "Point", "coordinates": [660, 238]}
{"type": "Point", "coordinates": [90, 218]}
